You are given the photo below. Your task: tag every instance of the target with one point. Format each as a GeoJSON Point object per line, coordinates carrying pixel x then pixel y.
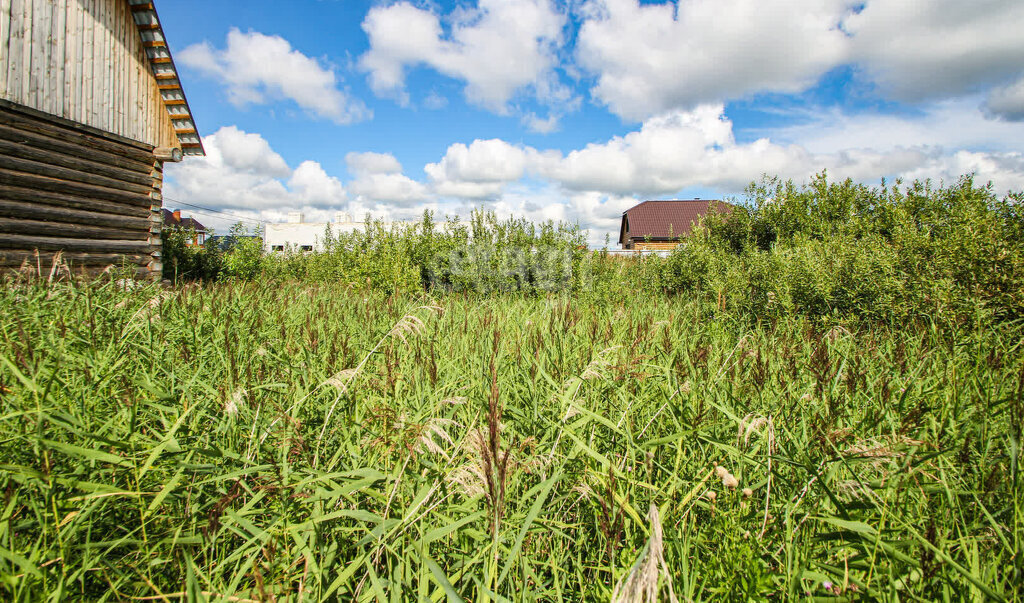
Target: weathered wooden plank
{"type": "Point", "coordinates": [101, 93]}
{"type": "Point", "coordinates": [88, 41]}
{"type": "Point", "coordinates": [26, 52]}
{"type": "Point", "coordinates": [28, 242]}
{"type": "Point", "coordinates": [33, 121]}
{"type": "Point", "coordinates": [144, 79]}
{"type": "Point", "coordinates": [66, 229]}
{"type": "Point", "coordinates": [59, 146]}
{"type": "Point", "coordinates": [115, 48]}
{"type": "Point", "coordinates": [69, 174]}
{"type": "Point", "coordinates": [40, 54]}
{"type": "Point", "coordinates": [44, 259]}
{"type": "Point", "coordinates": [65, 187]}
{"type": "Point", "coordinates": [36, 211]}
{"type": "Point", "coordinates": [5, 38]}
{"type": "Point", "coordinates": [77, 70]}
{"type": "Point", "coordinates": [47, 199]}
{"type": "Point", "coordinates": [55, 75]}
{"type": "Point", "coordinates": [125, 39]}
{"type": "Point", "coordinates": [15, 50]}
{"type": "Point", "coordinates": [67, 62]}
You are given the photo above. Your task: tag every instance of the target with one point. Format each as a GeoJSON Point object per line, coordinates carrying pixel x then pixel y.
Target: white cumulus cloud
{"type": "Point", "coordinates": [654, 57]}
{"type": "Point", "coordinates": [917, 49]}
{"type": "Point", "coordinates": [480, 170]}
{"type": "Point", "coordinates": [499, 48]}
{"type": "Point", "coordinates": [242, 172]}
{"type": "Point", "coordinates": [698, 148]}
{"type": "Point", "coordinates": [379, 180]}
{"type": "Point", "coordinates": [257, 68]}
{"type": "Point", "coordinates": [1007, 102]}
{"type": "Point", "coordinates": [372, 163]}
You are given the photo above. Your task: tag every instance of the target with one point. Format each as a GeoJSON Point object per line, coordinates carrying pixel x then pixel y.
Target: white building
{"type": "Point", "coordinates": [298, 235]}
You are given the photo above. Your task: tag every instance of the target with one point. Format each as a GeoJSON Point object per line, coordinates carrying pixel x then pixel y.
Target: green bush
{"type": "Point", "coordinates": [183, 262]}
{"type": "Point", "coordinates": [244, 260]}
{"type": "Point", "coordinates": [847, 250]}
{"type": "Point", "coordinates": [830, 250]}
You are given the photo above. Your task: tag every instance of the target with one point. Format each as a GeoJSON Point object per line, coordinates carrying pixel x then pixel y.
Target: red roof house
{"type": "Point", "coordinates": [173, 219]}
{"type": "Point", "coordinates": [661, 224]}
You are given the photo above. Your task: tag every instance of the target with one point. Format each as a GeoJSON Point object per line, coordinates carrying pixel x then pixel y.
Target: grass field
{"type": "Point", "coordinates": [308, 442]}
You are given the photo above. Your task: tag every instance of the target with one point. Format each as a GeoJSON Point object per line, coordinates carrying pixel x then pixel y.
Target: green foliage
{"type": "Point", "coordinates": [826, 250]}
{"type": "Point", "coordinates": [486, 255]}
{"type": "Point", "coordinates": [184, 262]}
{"type": "Point", "coordinates": [841, 249]}
{"type": "Point", "coordinates": [820, 396]}
{"type": "Point", "coordinates": [239, 441]}
{"type": "Point", "coordinates": [245, 258]}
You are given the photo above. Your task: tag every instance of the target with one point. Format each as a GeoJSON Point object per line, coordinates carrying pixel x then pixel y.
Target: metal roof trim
{"type": "Point", "coordinates": [162, 64]}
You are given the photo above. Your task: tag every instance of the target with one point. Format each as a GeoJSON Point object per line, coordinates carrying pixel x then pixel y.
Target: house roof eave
{"type": "Point", "coordinates": [162, 65]}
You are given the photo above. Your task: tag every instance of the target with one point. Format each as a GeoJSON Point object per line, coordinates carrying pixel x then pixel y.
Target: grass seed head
{"type": "Point", "coordinates": [341, 379]}
{"type": "Point", "coordinates": [234, 402]}
{"type": "Point", "coordinates": [641, 584]}
{"type": "Point", "coordinates": [435, 428]}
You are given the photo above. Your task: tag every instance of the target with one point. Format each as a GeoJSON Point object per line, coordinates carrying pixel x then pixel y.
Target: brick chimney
{"type": "Point", "coordinates": [177, 215]}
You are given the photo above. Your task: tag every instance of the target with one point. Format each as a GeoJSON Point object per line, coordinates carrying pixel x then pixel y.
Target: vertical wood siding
{"type": "Point", "coordinates": [72, 189]}
{"type": "Point", "coordinates": [82, 60]}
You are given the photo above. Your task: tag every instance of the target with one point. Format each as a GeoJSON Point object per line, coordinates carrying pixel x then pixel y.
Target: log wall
{"type": "Point", "coordinates": [65, 187]}
{"type": "Point", "coordinates": [656, 245]}
{"type": "Point", "coordinates": [84, 60]}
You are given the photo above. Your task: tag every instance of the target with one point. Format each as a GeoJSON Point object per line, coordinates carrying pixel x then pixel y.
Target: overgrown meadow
{"type": "Point", "coordinates": [832, 411]}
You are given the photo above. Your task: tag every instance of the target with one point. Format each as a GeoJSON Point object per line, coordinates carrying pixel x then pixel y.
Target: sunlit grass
{"type": "Point", "coordinates": [297, 442]}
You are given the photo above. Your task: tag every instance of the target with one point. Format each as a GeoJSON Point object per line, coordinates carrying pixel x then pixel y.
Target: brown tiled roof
{"type": "Point", "coordinates": [666, 219]}
{"type": "Point", "coordinates": [186, 223]}
{"type": "Point", "coordinates": [192, 223]}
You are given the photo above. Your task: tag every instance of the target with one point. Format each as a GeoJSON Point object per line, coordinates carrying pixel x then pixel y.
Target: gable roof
{"type": "Point", "coordinates": [666, 219]}
{"type": "Point", "coordinates": [159, 54]}
{"type": "Point", "coordinates": [186, 223]}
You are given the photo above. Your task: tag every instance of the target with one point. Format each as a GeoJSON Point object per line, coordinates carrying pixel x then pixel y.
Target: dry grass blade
{"type": "Point", "coordinates": [435, 428]}
{"type": "Point", "coordinates": [410, 324]}
{"type": "Point", "coordinates": [234, 402]}
{"type": "Point", "coordinates": [342, 379]}
{"type": "Point", "coordinates": [597, 366]}
{"type": "Point", "coordinates": [641, 584]}
{"type": "Point", "coordinates": [749, 425]}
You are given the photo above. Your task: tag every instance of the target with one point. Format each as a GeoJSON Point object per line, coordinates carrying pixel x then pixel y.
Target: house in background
{"type": "Point", "coordinates": [90, 109]}
{"type": "Point", "coordinates": [298, 235]}
{"type": "Point", "coordinates": [661, 225]}
{"type": "Point", "coordinates": [191, 226]}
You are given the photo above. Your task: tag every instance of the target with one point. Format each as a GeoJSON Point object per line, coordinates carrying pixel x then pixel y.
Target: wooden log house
{"type": "Point", "coordinates": [90, 109]}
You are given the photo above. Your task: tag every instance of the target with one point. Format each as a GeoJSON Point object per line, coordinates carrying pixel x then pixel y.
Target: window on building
{"type": "Point", "coordinates": [306, 248]}
{"type": "Point", "coordinates": [277, 247]}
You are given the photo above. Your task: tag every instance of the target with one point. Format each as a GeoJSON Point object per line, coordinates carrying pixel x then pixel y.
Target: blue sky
{"type": "Point", "coordinates": [576, 109]}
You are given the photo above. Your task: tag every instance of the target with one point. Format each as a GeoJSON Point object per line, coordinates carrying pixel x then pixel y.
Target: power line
{"type": "Point", "coordinates": [211, 211]}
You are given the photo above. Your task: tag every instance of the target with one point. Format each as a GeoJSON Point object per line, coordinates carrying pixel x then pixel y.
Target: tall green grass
{"type": "Point", "coordinates": [240, 441]}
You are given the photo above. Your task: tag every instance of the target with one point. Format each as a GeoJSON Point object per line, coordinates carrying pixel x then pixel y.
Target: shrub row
{"type": "Point", "coordinates": [826, 249]}
{"type": "Point", "coordinates": [885, 253]}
